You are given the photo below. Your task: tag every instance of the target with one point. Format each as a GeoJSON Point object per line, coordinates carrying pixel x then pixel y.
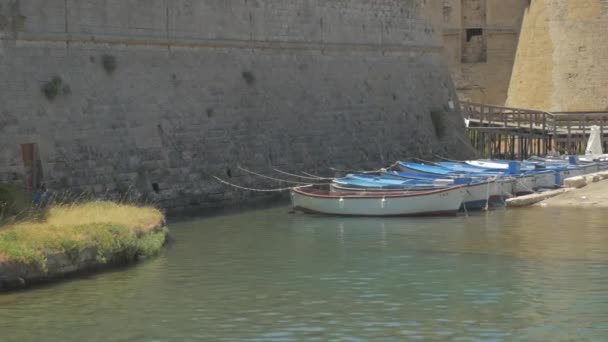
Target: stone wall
{"type": "Point", "coordinates": [562, 59]}
{"type": "Point", "coordinates": [481, 65]}
{"type": "Point", "coordinates": [159, 95]}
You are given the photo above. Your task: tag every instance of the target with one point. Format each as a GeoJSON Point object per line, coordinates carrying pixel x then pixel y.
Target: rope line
{"type": "Point", "coordinates": [365, 172]}
{"type": "Point", "coordinates": [317, 177]}
{"type": "Point", "coordinates": [446, 159]}
{"type": "Point", "coordinates": [271, 178]}
{"type": "Point", "coordinates": [259, 190]}
{"type": "Point", "coordinates": [524, 185]}
{"type": "Point", "coordinates": [298, 176]}
{"type": "Point", "coordinates": [355, 171]}
{"type": "Point", "coordinates": [487, 207]}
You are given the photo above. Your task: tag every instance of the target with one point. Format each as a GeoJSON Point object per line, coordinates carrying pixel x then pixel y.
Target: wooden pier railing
{"type": "Point", "coordinates": [517, 133]}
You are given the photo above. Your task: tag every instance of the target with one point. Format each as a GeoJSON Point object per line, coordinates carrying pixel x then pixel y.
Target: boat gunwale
{"type": "Point", "coordinates": [379, 195]}
{"type": "Point", "coordinates": [423, 214]}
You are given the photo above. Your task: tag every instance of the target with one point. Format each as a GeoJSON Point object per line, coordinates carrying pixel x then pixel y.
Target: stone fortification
{"type": "Point", "coordinates": [562, 58]}
{"type": "Point", "coordinates": [480, 39]}
{"type": "Point", "coordinates": [156, 96]}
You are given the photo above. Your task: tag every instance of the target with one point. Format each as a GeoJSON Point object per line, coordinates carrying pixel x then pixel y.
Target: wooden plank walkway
{"type": "Point", "coordinates": [517, 133]}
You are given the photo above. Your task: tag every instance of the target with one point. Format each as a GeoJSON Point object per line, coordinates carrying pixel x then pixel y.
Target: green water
{"type": "Point", "coordinates": [528, 275]}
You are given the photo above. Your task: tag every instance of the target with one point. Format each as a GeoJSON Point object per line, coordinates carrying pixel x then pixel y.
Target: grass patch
{"type": "Point", "coordinates": [115, 230]}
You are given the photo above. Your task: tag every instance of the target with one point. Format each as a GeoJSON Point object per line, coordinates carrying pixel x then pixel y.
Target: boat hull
{"type": "Point", "coordinates": [483, 195]}
{"type": "Point", "coordinates": [545, 180]}
{"type": "Point", "coordinates": [418, 203]}
{"type": "Point", "coordinates": [524, 185]}
{"type": "Point", "coordinates": [568, 173]}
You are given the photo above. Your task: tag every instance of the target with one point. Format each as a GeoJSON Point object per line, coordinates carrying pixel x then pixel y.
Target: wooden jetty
{"type": "Point", "coordinates": [517, 133]}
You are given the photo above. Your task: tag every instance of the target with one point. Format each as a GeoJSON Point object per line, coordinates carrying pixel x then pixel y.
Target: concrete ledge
{"type": "Point", "coordinates": [524, 201]}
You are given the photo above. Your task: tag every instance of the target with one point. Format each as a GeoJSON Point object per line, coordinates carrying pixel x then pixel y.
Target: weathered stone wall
{"type": "Point", "coordinates": [482, 80]}
{"type": "Point", "coordinates": [158, 95]}
{"type": "Point", "coordinates": [562, 59]}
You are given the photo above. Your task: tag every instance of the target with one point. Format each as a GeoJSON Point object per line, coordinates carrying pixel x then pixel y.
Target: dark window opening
{"type": "Point", "coordinates": [32, 166]}
{"type": "Point", "coordinates": [473, 32]}
{"type": "Point", "coordinates": [474, 46]}
{"type": "Point", "coordinates": [155, 187]}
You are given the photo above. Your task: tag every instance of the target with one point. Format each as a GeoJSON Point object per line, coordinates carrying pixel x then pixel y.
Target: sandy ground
{"type": "Point", "coordinates": [594, 195]}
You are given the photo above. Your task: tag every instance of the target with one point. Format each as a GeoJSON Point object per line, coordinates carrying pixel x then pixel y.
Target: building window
{"type": "Point", "coordinates": [474, 46]}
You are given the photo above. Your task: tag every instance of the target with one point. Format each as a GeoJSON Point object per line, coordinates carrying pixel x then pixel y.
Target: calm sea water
{"type": "Point", "coordinates": [266, 275]}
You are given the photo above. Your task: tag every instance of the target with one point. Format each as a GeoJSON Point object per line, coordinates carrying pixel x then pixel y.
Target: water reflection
{"type": "Point", "coordinates": [267, 275]}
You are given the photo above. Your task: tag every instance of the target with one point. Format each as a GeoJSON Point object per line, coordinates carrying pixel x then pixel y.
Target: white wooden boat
{"type": "Point", "coordinates": [590, 168]}
{"type": "Point", "coordinates": [485, 194]}
{"type": "Point", "coordinates": [492, 165]}
{"type": "Point", "coordinates": [412, 203]}
{"type": "Point", "coordinates": [545, 179]}
{"type": "Point", "coordinates": [524, 185]}
{"type": "Point", "coordinates": [570, 172]}
{"type": "Point", "coordinates": [502, 189]}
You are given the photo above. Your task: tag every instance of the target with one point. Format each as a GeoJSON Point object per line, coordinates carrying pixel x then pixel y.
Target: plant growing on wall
{"type": "Point", "coordinates": [109, 63]}
{"type": "Point", "coordinates": [54, 87]}
{"type": "Point", "coordinates": [438, 120]}
{"type": "Point", "coordinates": [248, 77]}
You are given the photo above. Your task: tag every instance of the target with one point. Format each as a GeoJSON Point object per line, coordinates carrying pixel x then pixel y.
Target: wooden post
{"type": "Point", "coordinates": [584, 135]}
{"type": "Point", "coordinates": [545, 134]}
{"type": "Point", "coordinates": [569, 139]}
{"type": "Point", "coordinates": [512, 146]}
{"type": "Point", "coordinates": [554, 144]}
{"type": "Point", "coordinates": [602, 132]}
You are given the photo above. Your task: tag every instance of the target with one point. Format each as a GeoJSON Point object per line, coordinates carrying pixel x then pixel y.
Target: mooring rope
{"type": "Point", "coordinates": [487, 207]}
{"type": "Point", "coordinates": [356, 171]}
{"type": "Point", "coordinates": [298, 176]}
{"type": "Point", "coordinates": [260, 190]}
{"type": "Point", "coordinates": [271, 178]}
{"type": "Point", "coordinates": [524, 185]}
{"type": "Point", "coordinates": [447, 159]}
{"type": "Point", "coordinates": [316, 177]}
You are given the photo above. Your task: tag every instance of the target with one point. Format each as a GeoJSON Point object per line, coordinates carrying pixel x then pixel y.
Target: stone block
{"type": "Point", "coordinates": [575, 182]}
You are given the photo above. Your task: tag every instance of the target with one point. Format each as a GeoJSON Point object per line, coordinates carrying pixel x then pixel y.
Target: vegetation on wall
{"type": "Point", "coordinates": [249, 77]}
{"type": "Point", "coordinates": [54, 87]}
{"type": "Point", "coordinates": [109, 63]}
{"type": "Point", "coordinates": [437, 117]}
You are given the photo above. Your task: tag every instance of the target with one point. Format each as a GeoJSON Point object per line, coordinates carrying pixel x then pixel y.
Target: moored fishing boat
{"type": "Point", "coordinates": [524, 185]}
{"type": "Point", "coordinates": [405, 203]}
{"type": "Point", "coordinates": [479, 194]}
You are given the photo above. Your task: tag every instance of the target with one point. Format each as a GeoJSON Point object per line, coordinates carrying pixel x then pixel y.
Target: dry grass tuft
{"type": "Point", "coordinates": [70, 229]}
